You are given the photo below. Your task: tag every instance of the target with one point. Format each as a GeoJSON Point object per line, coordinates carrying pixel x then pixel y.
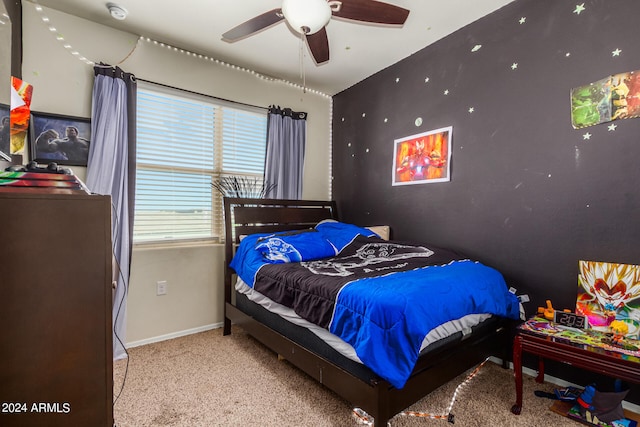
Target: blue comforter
{"type": "Point", "coordinates": [381, 297]}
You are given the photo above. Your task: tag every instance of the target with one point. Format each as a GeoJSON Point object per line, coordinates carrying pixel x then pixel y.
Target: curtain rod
{"type": "Point", "coordinates": [203, 94]}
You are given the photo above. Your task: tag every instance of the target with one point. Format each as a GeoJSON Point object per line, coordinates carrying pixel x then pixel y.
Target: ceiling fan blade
{"type": "Point", "coordinates": [372, 11]}
{"type": "Point", "coordinates": [253, 25]}
{"type": "Point", "coordinates": [319, 46]}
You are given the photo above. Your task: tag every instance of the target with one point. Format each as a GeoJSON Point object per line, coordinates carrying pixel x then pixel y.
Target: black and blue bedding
{"type": "Point", "coordinates": [381, 297]}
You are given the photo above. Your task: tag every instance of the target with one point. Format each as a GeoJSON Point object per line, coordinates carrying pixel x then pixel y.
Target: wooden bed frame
{"type": "Point", "coordinates": [377, 397]}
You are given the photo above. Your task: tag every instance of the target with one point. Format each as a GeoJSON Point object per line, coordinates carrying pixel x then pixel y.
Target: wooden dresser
{"type": "Point", "coordinates": [56, 356]}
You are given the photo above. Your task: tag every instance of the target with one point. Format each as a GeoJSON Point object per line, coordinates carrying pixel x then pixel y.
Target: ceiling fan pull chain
{"type": "Point", "coordinates": [302, 73]}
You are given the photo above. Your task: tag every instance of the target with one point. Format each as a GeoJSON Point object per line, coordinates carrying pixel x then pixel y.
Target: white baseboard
{"type": "Point", "coordinates": [562, 383]}
{"type": "Point", "coordinates": [174, 335]}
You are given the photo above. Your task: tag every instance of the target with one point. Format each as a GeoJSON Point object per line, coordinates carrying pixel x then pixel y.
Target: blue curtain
{"type": "Point", "coordinates": [111, 171]}
{"type": "Point", "coordinates": [286, 137]}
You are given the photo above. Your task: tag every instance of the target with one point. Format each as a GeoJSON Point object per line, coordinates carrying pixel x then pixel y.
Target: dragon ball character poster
{"type": "Point", "coordinates": [422, 158]}
{"type": "Point", "coordinates": [609, 292]}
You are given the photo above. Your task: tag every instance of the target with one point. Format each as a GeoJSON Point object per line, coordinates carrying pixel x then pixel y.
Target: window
{"type": "Point", "coordinates": [186, 141]}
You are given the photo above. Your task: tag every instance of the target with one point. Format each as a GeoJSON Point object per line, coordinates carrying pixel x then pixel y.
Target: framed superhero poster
{"type": "Point", "coordinates": [423, 158]}
{"type": "Point", "coordinates": [61, 139]}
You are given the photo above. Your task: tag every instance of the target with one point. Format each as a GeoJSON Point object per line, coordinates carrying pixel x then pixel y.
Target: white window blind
{"type": "Point", "coordinates": [186, 141]}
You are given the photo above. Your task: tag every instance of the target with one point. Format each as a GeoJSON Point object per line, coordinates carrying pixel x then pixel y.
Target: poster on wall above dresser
{"type": "Point", "coordinates": [422, 158]}
{"type": "Point", "coordinates": [61, 139]}
{"type": "Point", "coordinates": [21, 93]}
{"type": "Point", "coordinates": [5, 134]}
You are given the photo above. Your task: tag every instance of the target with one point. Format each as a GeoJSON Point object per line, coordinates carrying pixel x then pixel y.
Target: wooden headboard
{"type": "Point", "coordinates": [248, 216]}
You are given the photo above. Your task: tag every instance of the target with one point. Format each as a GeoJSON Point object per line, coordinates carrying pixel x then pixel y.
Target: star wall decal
{"type": "Point", "coordinates": [579, 8]}
{"type": "Point", "coordinates": [471, 110]}
{"type": "Point", "coordinates": [586, 136]}
{"type": "Point", "coordinates": [476, 48]}
{"type": "Point", "coordinates": [616, 52]}
{"type": "Point", "coordinates": [514, 65]}
{"type": "Point", "coordinates": [522, 20]}
{"type": "Point", "coordinates": [446, 92]}
{"type": "Point", "coordinates": [426, 79]}
{"type": "Point", "coordinates": [612, 127]}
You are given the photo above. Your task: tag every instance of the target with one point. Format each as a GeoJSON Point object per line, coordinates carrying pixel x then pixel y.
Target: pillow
{"type": "Point", "coordinates": [294, 246]}
{"type": "Point", "coordinates": [340, 234]}
{"type": "Point", "coordinates": [383, 231]}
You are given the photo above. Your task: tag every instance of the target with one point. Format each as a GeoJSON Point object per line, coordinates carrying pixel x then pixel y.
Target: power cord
{"type": "Point", "coordinates": [125, 283]}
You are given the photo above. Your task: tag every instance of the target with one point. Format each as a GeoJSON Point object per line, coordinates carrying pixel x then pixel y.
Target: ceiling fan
{"type": "Point", "coordinates": [309, 18]}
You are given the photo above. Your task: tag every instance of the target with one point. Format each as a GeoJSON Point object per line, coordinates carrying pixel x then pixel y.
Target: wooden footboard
{"type": "Point", "coordinates": [377, 397]}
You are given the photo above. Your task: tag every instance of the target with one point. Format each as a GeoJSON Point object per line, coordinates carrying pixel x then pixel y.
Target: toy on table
{"type": "Point", "coordinates": [548, 311]}
{"type": "Point", "coordinates": [619, 330]}
{"type": "Point", "coordinates": [617, 336]}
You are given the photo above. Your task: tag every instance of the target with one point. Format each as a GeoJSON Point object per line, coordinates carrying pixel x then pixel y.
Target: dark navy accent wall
{"type": "Point", "coordinates": [529, 194]}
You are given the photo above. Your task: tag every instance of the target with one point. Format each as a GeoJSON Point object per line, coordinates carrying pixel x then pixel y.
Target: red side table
{"type": "Point", "coordinates": [583, 349]}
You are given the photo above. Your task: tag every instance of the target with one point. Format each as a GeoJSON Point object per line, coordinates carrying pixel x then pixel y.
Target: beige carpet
{"type": "Point", "coordinates": [208, 380]}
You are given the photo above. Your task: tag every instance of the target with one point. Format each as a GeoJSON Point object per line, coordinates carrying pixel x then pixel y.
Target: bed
{"type": "Point", "coordinates": [331, 346]}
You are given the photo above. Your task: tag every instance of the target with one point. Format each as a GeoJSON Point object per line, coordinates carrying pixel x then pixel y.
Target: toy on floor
{"type": "Point", "coordinates": [568, 394]}
{"type": "Point", "coordinates": [597, 406]}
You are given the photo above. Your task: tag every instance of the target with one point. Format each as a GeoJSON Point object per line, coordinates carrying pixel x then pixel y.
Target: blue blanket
{"type": "Point", "coordinates": [381, 297]}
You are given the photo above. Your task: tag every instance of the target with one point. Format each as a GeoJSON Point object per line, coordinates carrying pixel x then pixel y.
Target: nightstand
{"type": "Point", "coordinates": [580, 348]}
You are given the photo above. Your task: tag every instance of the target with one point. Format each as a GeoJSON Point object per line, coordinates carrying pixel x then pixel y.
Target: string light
{"type": "Point", "coordinates": [59, 37]}
{"type": "Point", "coordinates": [236, 67]}
{"type": "Point", "coordinates": [363, 418]}
{"type": "Point", "coordinates": [331, 149]}
{"type": "Point", "coordinates": [67, 46]}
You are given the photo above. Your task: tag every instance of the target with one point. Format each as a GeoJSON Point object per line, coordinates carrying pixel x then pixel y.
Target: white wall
{"type": "Point", "coordinates": [62, 85]}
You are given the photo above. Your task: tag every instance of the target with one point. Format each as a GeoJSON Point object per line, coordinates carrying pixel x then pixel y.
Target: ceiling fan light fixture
{"type": "Point", "coordinates": [306, 16]}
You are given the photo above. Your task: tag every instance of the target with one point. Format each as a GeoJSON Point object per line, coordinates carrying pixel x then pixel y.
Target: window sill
{"type": "Point", "coordinates": [176, 244]}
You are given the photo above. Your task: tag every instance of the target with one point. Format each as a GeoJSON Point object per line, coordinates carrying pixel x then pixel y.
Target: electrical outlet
{"type": "Point", "coordinates": [161, 287]}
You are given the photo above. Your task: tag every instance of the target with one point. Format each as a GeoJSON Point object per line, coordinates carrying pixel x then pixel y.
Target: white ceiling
{"type": "Point", "coordinates": [357, 50]}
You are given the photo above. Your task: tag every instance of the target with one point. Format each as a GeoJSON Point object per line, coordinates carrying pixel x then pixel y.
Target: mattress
{"type": "Point", "coordinates": [461, 327]}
